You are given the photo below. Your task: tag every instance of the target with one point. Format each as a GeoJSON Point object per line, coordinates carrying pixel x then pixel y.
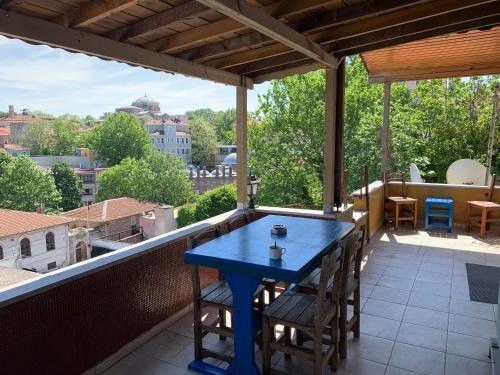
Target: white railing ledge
{"type": "Point", "coordinates": [373, 187]}
{"type": "Point", "coordinates": [302, 212]}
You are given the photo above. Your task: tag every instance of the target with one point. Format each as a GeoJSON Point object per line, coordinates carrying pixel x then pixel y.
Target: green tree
{"type": "Point", "coordinates": [205, 113]}
{"type": "Point", "coordinates": [36, 136]}
{"type": "Point", "coordinates": [65, 135]}
{"type": "Point", "coordinates": [5, 159]}
{"type": "Point", "coordinates": [25, 186]}
{"type": "Point", "coordinates": [69, 185]}
{"type": "Point", "coordinates": [203, 140]}
{"type": "Point", "coordinates": [158, 178]}
{"type": "Point", "coordinates": [225, 126]}
{"type": "Point", "coordinates": [118, 137]}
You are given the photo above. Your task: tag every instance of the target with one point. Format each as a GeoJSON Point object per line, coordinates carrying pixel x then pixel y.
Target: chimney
{"type": "Point", "coordinates": [164, 219]}
{"type": "Point", "coordinates": [40, 209]}
{"type": "Point", "coordinates": [11, 110]}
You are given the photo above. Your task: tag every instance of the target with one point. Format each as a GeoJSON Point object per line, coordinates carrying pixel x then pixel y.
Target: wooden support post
{"type": "Point", "coordinates": [329, 143]}
{"type": "Point", "coordinates": [491, 138]}
{"type": "Point", "coordinates": [242, 148]}
{"type": "Point", "coordinates": [385, 128]}
{"type": "Point", "coordinates": [339, 135]}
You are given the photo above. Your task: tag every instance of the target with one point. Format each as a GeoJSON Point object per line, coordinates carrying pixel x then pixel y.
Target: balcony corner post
{"type": "Point", "coordinates": [241, 148]}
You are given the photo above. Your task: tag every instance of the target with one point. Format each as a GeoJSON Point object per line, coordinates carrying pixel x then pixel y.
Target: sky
{"type": "Point", "coordinates": [57, 82]}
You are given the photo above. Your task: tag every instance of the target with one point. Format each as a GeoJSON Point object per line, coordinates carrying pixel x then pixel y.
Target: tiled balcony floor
{"type": "Point", "coordinates": [416, 314]}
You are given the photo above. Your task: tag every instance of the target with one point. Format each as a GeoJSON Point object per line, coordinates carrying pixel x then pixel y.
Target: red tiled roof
{"type": "Point", "coordinates": [14, 146]}
{"type": "Point", "coordinates": [18, 118]}
{"type": "Point", "coordinates": [16, 222]}
{"type": "Point", "coordinates": [111, 209]}
{"type": "Point", "coordinates": [4, 132]}
{"type": "Point", "coordinates": [181, 134]}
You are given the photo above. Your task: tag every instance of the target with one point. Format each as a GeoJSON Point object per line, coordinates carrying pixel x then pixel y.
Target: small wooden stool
{"type": "Point", "coordinates": [483, 221]}
{"type": "Point", "coordinates": [402, 213]}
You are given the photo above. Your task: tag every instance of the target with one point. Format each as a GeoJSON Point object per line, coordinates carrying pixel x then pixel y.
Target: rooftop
{"type": "Point", "coordinates": [10, 276]}
{"type": "Point", "coordinates": [17, 118]}
{"type": "Point", "coordinates": [4, 132]}
{"type": "Point", "coordinates": [16, 222]}
{"type": "Point", "coordinates": [416, 314]}
{"type": "Point", "coordinates": [14, 146]}
{"type": "Point", "coordinates": [111, 209]}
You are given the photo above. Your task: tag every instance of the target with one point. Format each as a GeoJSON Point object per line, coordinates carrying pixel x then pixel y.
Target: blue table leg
{"type": "Point", "coordinates": [243, 288]}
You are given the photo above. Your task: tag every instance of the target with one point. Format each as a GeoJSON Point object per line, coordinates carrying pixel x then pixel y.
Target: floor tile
{"type": "Point", "coordinates": [437, 277]}
{"type": "Point", "coordinates": [376, 269]}
{"type": "Point", "coordinates": [370, 347]}
{"type": "Point", "coordinates": [471, 326]}
{"type": "Point", "coordinates": [468, 346]}
{"type": "Point", "coordinates": [426, 317]}
{"type": "Point", "coordinates": [390, 294]}
{"type": "Point", "coordinates": [425, 337]}
{"type": "Point", "coordinates": [140, 364]}
{"type": "Point", "coordinates": [429, 301]}
{"type": "Point", "coordinates": [391, 370]}
{"type": "Point", "coordinates": [384, 309]}
{"type": "Point", "coordinates": [465, 366]}
{"type": "Point", "coordinates": [431, 287]}
{"type": "Point", "coordinates": [460, 293]}
{"type": "Point", "coordinates": [395, 282]}
{"type": "Point", "coordinates": [473, 309]}
{"type": "Point", "coordinates": [358, 366]}
{"type": "Point", "coordinates": [380, 327]}
{"type": "Point", "coordinates": [407, 273]}
{"type": "Point", "coordinates": [165, 346]}
{"type": "Point", "coordinates": [421, 360]}
{"type": "Point", "coordinates": [445, 269]}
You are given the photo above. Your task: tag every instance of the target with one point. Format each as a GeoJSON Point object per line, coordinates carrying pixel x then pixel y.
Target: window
{"type": "Point", "coordinates": [25, 247]}
{"type": "Point", "coordinates": [187, 140]}
{"type": "Point", "coordinates": [182, 140]}
{"type": "Point", "coordinates": [88, 192]}
{"type": "Point", "coordinates": [1, 252]}
{"type": "Point", "coordinates": [50, 241]}
{"type": "Point", "coordinates": [51, 265]}
{"type": "Point", "coordinates": [178, 140]}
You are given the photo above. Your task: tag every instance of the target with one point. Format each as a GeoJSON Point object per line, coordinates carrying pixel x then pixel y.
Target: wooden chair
{"type": "Point", "coordinates": [404, 208]}
{"type": "Point", "coordinates": [486, 207]}
{"type": "Point", "coordinates": [217, 295]}
{"type": "Point", "coordinates": [306, 313]}
{"type": "Point", "coordinates": [350, 293]}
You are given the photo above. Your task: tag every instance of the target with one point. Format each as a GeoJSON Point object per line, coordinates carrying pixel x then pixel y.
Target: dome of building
{"type": "Point", "coordinates": [230, 160]}
{"type": "Point", "coordinates": [147, 104]}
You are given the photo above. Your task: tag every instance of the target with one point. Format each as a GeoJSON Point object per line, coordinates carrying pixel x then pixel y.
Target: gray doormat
{"type": "Point", "coordinates": [483, 282]}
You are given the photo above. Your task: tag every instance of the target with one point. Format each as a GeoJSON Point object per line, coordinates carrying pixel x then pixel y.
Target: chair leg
{"type": "Point", "coordinates": [343, 328]}
{"type": "Point", "coordinates": [396, 218]}
{"type": "Point", "coordinates": [467, 222]}
{"type": "Point", "coordinates": [334, 338]}
{"type": "Point", "coordinates": [357, 311]}
{"type": "Point", "coordinates": [318, 353]}
{"type": "Point", "coordinates": [267, 331]}
{"type": "Point", "coordinates": [288, 339]}
{"type": "Point", "coordinates": [484, 219]}
{"type": "Point", "coordinates": [198, 334]}
{"type": "Point", "coordinates": [222, 320]}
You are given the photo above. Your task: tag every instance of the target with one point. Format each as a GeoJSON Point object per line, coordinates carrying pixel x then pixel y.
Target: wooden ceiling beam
{"type": "Point", "coordinates": [35, 30]}
{"type": "Point", "coordinates": [287, 70]}
{"type": "Point", "coordinates": [93, 11]}
{"type": "Point", "coordinates": [337, 17]}
{"type": "Point", "coordinates": [387, 21]}
{"type": "Point", "coordinates": [226, 26]}
{"type": "Point", "coordinates": [158, 21]}
{"type": "Point", "coordinates": [245, 13]}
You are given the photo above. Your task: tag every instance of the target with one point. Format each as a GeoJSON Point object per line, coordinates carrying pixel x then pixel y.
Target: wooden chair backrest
{"type": "Point", "coordinates": [357, 254]}
{"type": "Point", "coordinates": [331, 266]}
{"type": "Point", "coordinates": [238, 222]}
{"type": "Point", "coordinates": [394, 177]}
{"type": "Point", "coordinates": [495, 181]}
{"type": "Point", "coordinates": [205, 236]}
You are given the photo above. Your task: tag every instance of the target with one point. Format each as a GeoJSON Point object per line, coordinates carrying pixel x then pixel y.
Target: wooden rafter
{"type": "Point", "coordinates": [337, 17]}
{"type": "Point", "coordinates": [36, 30]}
{"type": "Point", "coordinates": [243, 12]}
{"type": "Point", "coordinates": [226, 26]}
{"type": "Point", "coordinates": [93, 11]}
{"type": "Point", "coordinates": [287, 70]}
{"type": "Point", "coordinates": [391, 22]}
{"type": "Point", "coordinates": [158, 21]}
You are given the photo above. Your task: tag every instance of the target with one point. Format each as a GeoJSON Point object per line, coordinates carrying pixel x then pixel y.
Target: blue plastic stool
{"type": "Point", "coordinates": [439, 208]}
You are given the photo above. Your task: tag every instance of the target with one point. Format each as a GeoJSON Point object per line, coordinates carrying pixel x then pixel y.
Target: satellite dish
{"type": "Point", "coordinates": [415, 175]}
{"type": "Point", "coordinates": [466, 172]}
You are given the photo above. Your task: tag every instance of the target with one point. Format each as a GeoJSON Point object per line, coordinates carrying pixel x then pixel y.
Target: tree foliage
{"type": "Point", "coordinates": [25, 187]}
{"type": "Point", "coordinates": [65, 137]}
{"type": "Point", "coordinates": [224, 123]}
{"type": "Point", "coordinates": [431, 125]}
{"type": "Point", "coordinates": [203, 140]}
{"type": "Point", "coordinates": [37, 136]}
{"type": "Point", "coordinates": [157, 178]}
{"type": "Point", "coordinates": [69, 185]}
{"type": "Point", "coordinates": [5, 159]}
{"type": "Point", "coordinates": [118, 137]}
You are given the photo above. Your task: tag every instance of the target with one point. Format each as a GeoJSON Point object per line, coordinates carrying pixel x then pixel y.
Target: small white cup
{"type": "Point", "coordinates": [276, 252]}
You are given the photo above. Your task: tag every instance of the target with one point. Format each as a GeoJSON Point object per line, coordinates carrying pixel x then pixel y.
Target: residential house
{"type": "Point", "coordinates": [170, 136]}
{"type": "Point", "coordinates": [33, 241]}
{"type": "Point", "coordinates": [4, 136]}
{"type": "Point", "coordinates": [111, 219]}
{"type": "Point", "coordinates": [16, 150]}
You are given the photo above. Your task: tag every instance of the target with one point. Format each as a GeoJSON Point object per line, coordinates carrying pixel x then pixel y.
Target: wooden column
{"type": "Point", "coordinates": [339, 135]}
{"type": "Point", "coordinates": [329, 143]}
{"type": "Point", "coordinates": [385, 128]}
{"type": "Point", "coordinates": [242, 148]}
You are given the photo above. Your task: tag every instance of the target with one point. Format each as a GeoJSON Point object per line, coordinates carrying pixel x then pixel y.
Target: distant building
{"type": "Point", "coordinates": [33, 241]}
{"type": "Point", "coordinates": [4, 136]}
{"type": "Point", "coordinates": [222, 152]}
{"type": "Point", "coordinates": [16, 150]}
{"type": "Point", "coordinates": [142, 106]}
{"type": "Point", "coordinates": [16, 123]}
{"type": "Point", "coordinates": [170, 136]}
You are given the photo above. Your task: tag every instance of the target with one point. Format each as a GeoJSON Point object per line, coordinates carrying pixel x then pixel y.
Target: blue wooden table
{"type": "Point", "coordinates": [243, 258]}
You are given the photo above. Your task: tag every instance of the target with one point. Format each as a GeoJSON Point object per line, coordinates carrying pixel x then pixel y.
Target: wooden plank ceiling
{"type": "Point", "coordinates": [475, 52]}
{"type": "Point", "coordinates": [238, 42]}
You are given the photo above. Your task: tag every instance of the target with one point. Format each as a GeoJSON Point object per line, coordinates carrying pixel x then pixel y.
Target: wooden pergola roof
{"type": "Point", "coordinates": [475, 52]}
{"type": "Point", "coordinates": [237, 42]}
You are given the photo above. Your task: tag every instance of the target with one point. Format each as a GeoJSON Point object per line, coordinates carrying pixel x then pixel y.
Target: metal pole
{"type": "Point", "coordinates": [385, 128]}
